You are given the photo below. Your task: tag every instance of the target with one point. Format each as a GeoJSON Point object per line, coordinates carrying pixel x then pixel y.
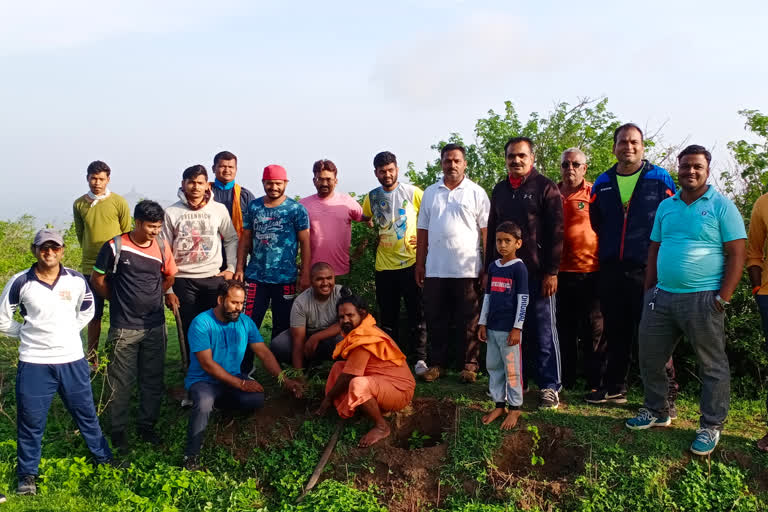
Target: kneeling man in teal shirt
{"type": "Point", "coordinates": [695, 262]}
{"type": "Point", "coordinates": [218, 338]}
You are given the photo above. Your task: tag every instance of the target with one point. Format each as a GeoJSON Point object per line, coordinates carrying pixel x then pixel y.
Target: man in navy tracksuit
{"type": "Point", "coordinates": [532, 201]}
{"type": "Point", "coordinates": [622, 209]}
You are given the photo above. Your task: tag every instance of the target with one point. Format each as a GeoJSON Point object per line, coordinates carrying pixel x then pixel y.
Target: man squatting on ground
{"type": "Point", "coordinates": [275, 228]}
{"type": "Point", "coordinates": [98, 215]}
{"type": "Point", "coordinates": [501, 325]}
{"type": "Point", "coordinates": [133, 271]}
{"type": "Point", "coordinates": [217, 338]}
{"type": "Point", "coordinates": [374, 375]}
{"type": "Point", "coordinates": [393, 208]}
{"type": "Point", "coordinates": [695, 262]}
{"type": "Point", "coordinates": [56, 304]}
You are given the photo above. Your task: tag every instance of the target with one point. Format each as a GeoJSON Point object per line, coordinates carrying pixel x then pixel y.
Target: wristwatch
{"type": "Point", "coordinates": [722, 301]}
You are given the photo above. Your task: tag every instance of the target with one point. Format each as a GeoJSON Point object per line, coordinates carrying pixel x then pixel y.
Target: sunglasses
{"type": "Point", "coordinates": [50, 247]}
{"type": "Point", "coordinates": [575, 165]}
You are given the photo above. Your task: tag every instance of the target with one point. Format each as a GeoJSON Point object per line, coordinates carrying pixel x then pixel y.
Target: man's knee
{"type": "Point", "coordinates": [202, 401]}
{"type": "Point", "coordinates": [360, 386]}
{"type": "Point", "coordinates": [282, 346]}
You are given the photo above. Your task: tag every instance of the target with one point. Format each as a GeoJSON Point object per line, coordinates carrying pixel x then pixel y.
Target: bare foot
{"type": "Point", "coordinates": [375, 435]}
{"type": "Point", "coordinates": [491, 416]}
{"type": "Point", "coordinates": [762, 444]}
{"type": "Point", "coordinates": [511, 420]}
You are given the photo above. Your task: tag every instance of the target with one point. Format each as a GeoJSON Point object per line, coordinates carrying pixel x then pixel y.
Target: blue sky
{"type": "Point", "coordinates": [153, 87]}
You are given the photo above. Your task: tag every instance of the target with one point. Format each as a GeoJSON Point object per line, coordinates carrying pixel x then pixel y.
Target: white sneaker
{"type": "Point", "coordinates": [420, 368]}
{"type": "Point", "coordinates": [186, 402]}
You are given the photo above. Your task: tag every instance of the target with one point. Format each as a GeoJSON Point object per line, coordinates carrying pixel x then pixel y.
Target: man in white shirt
{"type": "Point", "coordinates": [56, 305]}
{"type": "Point", "coordinates": [449, 255]}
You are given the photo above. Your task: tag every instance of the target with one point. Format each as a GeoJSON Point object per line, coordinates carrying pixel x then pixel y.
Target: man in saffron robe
{"type": "Point", "coordinates": [373, 376]}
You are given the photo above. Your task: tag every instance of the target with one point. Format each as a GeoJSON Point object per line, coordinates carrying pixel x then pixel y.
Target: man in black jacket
{"type": "Point", "coordinates": [532, 201]}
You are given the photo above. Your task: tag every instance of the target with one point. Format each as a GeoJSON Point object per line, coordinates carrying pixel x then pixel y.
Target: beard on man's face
{"type": "Point", "coordinates": [231, 315]}
{"type": "Point", "coordinates": [347, 327]}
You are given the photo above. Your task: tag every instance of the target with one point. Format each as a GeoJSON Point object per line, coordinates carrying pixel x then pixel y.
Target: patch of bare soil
{"type": "Point", "coordinates": [277, 421]}
{"type": "Point", "coordinates": [406, 466]}
{"type": "Point", "coordinates": [562, 457]}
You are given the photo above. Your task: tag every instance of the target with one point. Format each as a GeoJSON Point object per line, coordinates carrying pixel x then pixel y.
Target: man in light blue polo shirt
{"type": "Point", "coordinates": [695, 261]}
{"type": "Point", "coordinates": [218, 338]}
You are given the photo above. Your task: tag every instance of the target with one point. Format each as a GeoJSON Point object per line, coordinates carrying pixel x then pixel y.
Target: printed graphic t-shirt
{"type": "Point", "coordinates": [137, 291]}
{"type": "Point", "coordinates": [275, 242]}
{"type": "Point", "coordinates": [506, 296]}
{"type": "Point", "coordinates": [394, 214]}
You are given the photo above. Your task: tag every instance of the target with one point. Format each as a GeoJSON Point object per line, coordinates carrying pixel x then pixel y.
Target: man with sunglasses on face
{"type": "Point", "coordinates": [579, 318]}
{"type": "Point", "coordinates": [55, 303]}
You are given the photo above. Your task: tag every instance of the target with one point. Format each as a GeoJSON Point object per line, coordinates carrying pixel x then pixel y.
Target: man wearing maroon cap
{"type": "Point", "coordinates": [274, 228]}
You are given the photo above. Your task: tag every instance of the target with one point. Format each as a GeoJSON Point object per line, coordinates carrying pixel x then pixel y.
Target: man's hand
{"type": "Point", "coordinates": [420, 273]}
{"type": "Point", "coordinates": [251, 386]}
{"type": "Point", "coordinates": [172, 301]}
{"type": "Point", "coordinates": [324, 406]}
{"type": "Point", "coordinates": [412, 241]}
{"type": "Point", "coordinates": [548, 286]}
{"type": "Point", "coordinates": [239, 276]}
{"type": "Point", "coordinates": [294, 386]}
{"type": "Point", "coordinates": [310, 346]}
{"type": "Point", "coordinates": [482, 334]}
{"type": "Point", "coordinates": [513, 338]}
{"type": "Point", "coordinates": [226, 274]}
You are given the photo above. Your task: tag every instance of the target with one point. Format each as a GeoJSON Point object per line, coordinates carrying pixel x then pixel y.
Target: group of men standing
{"type": "Point", "coordinates": [600, 258]}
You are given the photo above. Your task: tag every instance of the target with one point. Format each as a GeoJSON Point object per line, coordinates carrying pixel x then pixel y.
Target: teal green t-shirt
{"type": "Point", "coordinates": [691, 257]}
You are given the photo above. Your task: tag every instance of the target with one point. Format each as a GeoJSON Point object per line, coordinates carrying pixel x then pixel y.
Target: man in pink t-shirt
{"type": "Point", "coordinates": [330, 219]}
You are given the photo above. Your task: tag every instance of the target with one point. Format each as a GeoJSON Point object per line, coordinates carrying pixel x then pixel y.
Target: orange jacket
{"type": "Point", "coordinates": [579, 240]}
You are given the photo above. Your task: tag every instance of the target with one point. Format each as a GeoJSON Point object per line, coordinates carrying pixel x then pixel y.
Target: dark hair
{"type": "Point", "coordinates": [148, 211]}
{"type": "Point", "coordinates": [324, 165]}
{"type": "Point", "coordinates": [517, 140]}
{"type": "Point", "coordinates": [626, 126]}
{"type": "Point", "coordinates": [96, 167]}
{"type": "Point", "coordinates": [224, 155]}
{"type": "Point", "coordinates": [384, 158]}
{"type": "Point", "coordinates": [356, 301]}
{"type": "Point", "coordinates": [453, 147]}
{"type": "Point", "coordinates": [193, 172]}
{"type": "Point", "coordinates": [695, 149]}
{"type": "Point", "coordinates": [510, 228]}
{"type": "Point", "coordinates": [318, 266]}
{"type": "Point", "coordinates": [224, 287]}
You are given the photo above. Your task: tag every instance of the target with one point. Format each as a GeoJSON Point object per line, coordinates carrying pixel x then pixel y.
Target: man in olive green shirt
{"type": "Point", "coordinates": [100, 215]}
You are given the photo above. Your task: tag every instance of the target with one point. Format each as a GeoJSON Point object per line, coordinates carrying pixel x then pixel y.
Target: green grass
{"type": "Point", "coordinates": [621, 470]}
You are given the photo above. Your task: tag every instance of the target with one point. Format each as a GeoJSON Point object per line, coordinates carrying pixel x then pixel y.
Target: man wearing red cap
{"type": "Point", "coordinates": [274, 228]}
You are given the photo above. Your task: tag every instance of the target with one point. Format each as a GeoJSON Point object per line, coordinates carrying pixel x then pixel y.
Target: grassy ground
{"type": "Point", "coordinates": [440, 457]}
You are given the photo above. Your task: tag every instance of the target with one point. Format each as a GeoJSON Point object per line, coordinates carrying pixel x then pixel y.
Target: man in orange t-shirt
{"type": "Point", "coordinates": [579, 319]}
{"type": "Point", "coordinates": [373, 376]}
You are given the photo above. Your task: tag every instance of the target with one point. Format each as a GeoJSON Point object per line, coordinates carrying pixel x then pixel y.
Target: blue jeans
{"type": "Point", "coordinates": [204, 396]}
{"type": "Point", "coordinates": [36, 384]}
{"type": "Point", "coordinates": [693, 315]}
{"type": "Point", "coordinates": [504, 369]}
{"type": "Point", "coordinates": [762, 306]}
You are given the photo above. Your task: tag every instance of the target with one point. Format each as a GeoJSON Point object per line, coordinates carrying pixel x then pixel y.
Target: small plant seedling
{"type": "Point", "coordinates": [417, 440]}
{"type": "Point", "coordinates": [535, 438]}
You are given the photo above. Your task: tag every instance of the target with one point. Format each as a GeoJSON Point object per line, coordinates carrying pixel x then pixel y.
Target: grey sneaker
{"type": "Point", "coordinates": [548, 399]}
{"type": "Point", "coordinates": [672, 412]}
{"type": "Point", "coordinates": [27, 486]}
{"type": "Point", "coordinates": [191, 463]}
{"type": "Point", "coordinates": [186, 403]}
{"type": "Point", "coordinates": [420, 368]}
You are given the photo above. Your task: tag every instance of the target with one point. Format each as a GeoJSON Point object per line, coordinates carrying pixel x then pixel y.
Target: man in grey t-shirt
{"type": "Point", "coordinates": [314, 328]}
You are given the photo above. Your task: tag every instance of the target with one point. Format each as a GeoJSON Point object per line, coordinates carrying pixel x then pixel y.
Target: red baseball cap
{"type": "Point", "coordinates": [274, 172]}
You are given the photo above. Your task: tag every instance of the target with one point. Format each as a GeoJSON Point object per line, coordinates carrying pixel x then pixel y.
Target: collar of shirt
{"type": "Point", "coordinates": [707, 195]}
{"type": "Point", "coordinates": [223, 186]}
{"type": "Point", "coordinates": [461, 184]}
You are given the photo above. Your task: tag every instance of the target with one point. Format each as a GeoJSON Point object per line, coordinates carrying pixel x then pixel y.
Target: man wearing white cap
{"type": "Point", "coordinates": [56, 304]}
{"type": "Point", "coordinates": [275, 228]}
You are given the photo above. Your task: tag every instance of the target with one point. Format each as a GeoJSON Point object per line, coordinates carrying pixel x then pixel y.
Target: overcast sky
{"type": "Point", "coordinates": [152, 87]}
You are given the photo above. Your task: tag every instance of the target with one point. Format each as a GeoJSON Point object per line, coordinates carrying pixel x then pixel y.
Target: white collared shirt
{"type": "Point", "coordinates": [454, 219]}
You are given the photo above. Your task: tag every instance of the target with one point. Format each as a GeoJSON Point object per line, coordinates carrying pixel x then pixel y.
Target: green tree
{"type": "Point", "coordinates": [588, 125]}
{"type": "Point", "coordinates": [749, 179]}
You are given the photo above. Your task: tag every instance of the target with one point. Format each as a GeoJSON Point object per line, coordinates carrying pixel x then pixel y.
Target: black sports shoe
{"type": "Point", "coordinates": [27, 486]}
{"type": "Point", "coordinates": [601, 396]}
{"type": "Point", "coordinates": [191, 463]}
{"type": "Point", "coordinates": [548, 399]}
{"type": "Point", "coordinates": [148, 435]}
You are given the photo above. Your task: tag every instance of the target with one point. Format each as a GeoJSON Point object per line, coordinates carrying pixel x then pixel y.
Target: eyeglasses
{"type": "Point", "coordinates": [46, 248]}
{"type": "Point", "coordinates": [567, 164]}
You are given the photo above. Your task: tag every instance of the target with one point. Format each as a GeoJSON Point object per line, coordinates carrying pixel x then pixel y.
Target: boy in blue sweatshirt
{"type": "Point", "coordinates": [501, 325]}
